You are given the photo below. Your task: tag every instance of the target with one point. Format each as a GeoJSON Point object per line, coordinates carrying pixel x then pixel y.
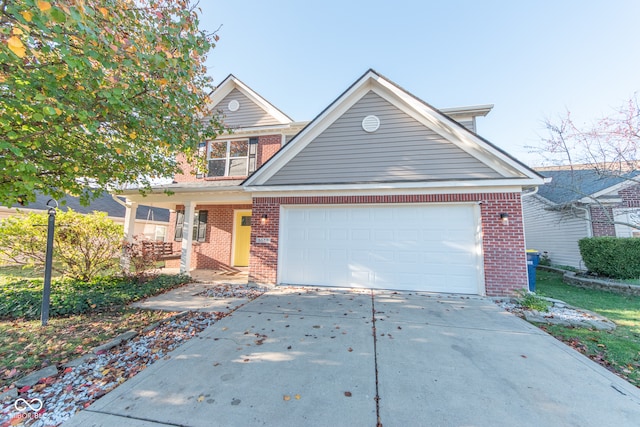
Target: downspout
{"type": "Point", "coordinates": [530, 193]}
{"type": "Point", "coordinates": [587, 217]}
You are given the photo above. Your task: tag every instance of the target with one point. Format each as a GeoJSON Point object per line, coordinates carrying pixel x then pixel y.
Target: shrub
{"type": "Point", "coordinates": [532, 301]}
{"type": "Point", "coordinates": [141, 262]}
{"type": "Point", "coordinates": [23, 298]}
{"type": "Point", "coordinates": [84, 245]}
{"type": "Point", "coordinates": [615, 257]}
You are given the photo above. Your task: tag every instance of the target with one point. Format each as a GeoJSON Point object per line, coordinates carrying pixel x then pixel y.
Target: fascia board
{"type": "Point", "coordinates": [177, 198]}
{"type": "Point", "coordinates": [231, 82]}
{"type": "Point", "coordinates": [222, 90]}
{"type": "Point", "coordinates": [263, 103]}
{"type": "Point", "coordinates": [493, 183]}
{"type": "Point", "coordinates": [471, 110]}
{"type": "Point", "coordinates": [309, 133]}
{"type": "Point", "coordinates": [613, 189]}
{"type": "Point", "coordinates": [390, 191]}
{"type": "Point", "coordinates": [288, 128]}
{"type": "Point", "coordinates": [450, 130]}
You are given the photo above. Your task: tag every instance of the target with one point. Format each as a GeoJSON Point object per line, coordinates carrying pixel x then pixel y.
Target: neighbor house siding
{"type": "Point", "coordinates": [248, 115]}
{"type": "Point", "coordinates": [402, 149]}
{"type": "Point", "coordinates": [553, 231]}
{"type": "Point", "coordinates": [502, 244]}
{"type": "Point", "coordinates": [215, 252]}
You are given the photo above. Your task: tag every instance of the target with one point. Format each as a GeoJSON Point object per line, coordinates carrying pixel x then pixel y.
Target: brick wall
{"type": "Point", "coordinates": [268, 145]}
{"type": "Point", "coordinates": [503, 244]}
{"type": "Point", "coordinates": [601, 221]}
{"type": "Point", "coordinates": [215, 252]}
{"type": "Point", "coordinates": [630, 196]}
{"type": "Point", "coordinates": [601, 216]}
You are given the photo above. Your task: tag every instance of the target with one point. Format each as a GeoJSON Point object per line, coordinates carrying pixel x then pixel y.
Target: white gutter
{"type": "Point", "coordinates": [117, 199]}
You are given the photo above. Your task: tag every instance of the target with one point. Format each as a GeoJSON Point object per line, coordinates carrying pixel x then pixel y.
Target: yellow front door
{"type": "Point", "coordinates": [242, 238]}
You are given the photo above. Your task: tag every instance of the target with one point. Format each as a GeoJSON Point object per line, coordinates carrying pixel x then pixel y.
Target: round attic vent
{"type": "Point", "coordinates": [234, 105]}
{"type": "Point", "coordinates": [370, 123]}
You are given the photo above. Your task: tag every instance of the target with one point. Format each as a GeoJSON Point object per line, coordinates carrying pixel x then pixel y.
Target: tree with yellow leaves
{"type": "Point", "coordinates": [98, 94]}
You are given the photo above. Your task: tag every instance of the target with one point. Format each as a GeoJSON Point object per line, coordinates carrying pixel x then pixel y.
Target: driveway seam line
{"type": "Point", "coordinates": [375, 356]}
{"type": "Point", "coordinates": [135, 418]}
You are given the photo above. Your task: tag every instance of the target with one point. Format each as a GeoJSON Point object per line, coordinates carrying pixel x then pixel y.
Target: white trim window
{"type": "Point", "coordinates": [228, 158]}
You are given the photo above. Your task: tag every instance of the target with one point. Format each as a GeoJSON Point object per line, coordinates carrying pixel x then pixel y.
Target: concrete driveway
{"type": "Point", "coordinates": [309, 357]}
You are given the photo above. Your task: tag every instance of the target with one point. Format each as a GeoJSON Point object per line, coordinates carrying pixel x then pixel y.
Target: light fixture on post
{"type": "Point", "coordinates": [263, 218]}
{"type": "Point", "coordinates": [504, 217]}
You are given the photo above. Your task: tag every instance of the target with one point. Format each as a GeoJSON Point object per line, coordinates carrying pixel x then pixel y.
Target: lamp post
{"type": "Point", "coordinates": [46, 293]}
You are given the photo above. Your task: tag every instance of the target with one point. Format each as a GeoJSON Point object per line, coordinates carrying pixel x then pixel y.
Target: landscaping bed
{"type": "Point", "coordinates": [82, 316]}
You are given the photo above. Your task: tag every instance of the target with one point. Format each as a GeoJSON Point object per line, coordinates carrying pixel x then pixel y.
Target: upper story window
{"type": "Point", "coordinates": [232, 158]}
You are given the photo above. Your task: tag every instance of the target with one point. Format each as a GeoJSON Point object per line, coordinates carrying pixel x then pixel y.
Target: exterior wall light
{"type": "Point", "coordinates": [263, 218]}
{"type": "Point", "coordinates": [504, 217]}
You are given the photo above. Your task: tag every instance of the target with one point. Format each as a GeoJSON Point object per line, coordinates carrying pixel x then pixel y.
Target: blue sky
{"type": "Point", "coordinates": [532, 59]}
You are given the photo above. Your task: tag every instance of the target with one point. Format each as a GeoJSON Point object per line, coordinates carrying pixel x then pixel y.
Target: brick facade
{"type": "Point", "coordinates": [268, 145]}
{"type": "Point", "coordinates": [215, 252]}
{"type": "Point", "coordinates": [503, 244]}
{"type": "Point", "coordinates": [601, 221]}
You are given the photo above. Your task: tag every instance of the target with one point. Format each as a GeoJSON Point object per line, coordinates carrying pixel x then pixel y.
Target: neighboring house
{"type": "Point", "coordinates": [150, 222]}
{"type": "Point", "coordinates": [576, 204]}
{"type": "Point", "coordinates": [380, 190]}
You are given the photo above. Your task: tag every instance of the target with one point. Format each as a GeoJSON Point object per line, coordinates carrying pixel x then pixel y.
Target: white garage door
{"type": "Point", "coordinates": [407, 247]}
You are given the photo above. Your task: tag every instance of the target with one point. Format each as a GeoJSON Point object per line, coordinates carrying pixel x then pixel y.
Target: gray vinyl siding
{"type": "Point", "coordinates": [556, 232]}
{"type": "Point", "coordinates": [467, 121]}
{"type": "Point", "coordinates": [248, 115]}
{"type": "Point", "coordinates": [402, 149]}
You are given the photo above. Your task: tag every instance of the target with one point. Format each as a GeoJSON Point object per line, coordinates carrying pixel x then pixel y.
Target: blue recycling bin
{"type": "Point", "coordinates": [533, 259]}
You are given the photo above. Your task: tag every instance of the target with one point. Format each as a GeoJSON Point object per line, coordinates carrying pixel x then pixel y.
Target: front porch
{"type": "Point", "coordinates": [209, 226]}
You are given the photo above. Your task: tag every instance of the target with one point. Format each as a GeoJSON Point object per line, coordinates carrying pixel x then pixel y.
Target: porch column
{"type": "Point", "coordinates": [131, 209]}
{"type": "Point", "coordinates": [130, 220]}
{"type": "Point", "coordinates": [187, 237]}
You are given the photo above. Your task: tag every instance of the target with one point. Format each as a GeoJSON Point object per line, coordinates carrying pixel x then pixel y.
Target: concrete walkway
{"type": "Point", "coordinates": [307, 357]}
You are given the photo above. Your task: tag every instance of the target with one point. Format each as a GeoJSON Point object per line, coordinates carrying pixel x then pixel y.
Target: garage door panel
{"type": "Point", "coordinates": [418, 247]}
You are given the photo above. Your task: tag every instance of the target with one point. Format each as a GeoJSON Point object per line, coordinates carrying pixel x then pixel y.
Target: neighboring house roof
{"type": "Point", "coordinates": [569, 186]}
{"type": "Point", "coordinates": [104, 203]}
{"type": "Point", "coordinates": [417, 143]}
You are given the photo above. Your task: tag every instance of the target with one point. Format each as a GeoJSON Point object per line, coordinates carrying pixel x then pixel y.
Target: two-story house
{"type": "Point", "coordinates": [380, 190]}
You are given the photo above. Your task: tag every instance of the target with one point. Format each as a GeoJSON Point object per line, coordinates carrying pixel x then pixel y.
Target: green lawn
{"type": "Point", "coordinates": [618, 350]}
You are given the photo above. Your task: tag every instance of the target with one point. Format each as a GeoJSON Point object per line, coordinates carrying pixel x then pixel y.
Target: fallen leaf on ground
{"type": "Point", "coordinates": [286, 397]}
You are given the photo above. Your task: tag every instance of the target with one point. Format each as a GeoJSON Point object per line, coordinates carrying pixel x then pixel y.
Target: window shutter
{"type": "Point", "coordinates": [179, 225]}
{"type": "Point", "coordinates": [253, 150]}
{"type": "Point", "coordinates": [200, 231]}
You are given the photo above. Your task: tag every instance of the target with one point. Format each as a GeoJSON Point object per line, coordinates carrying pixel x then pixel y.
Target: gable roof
{"type": "Point", "coordinates": [250, 105]}
{"type": "Point", "coordinates": [104, 203]}
{"type": "Point", "coordinates": [502, 166]}
{"type": "Point", "coordinates": [569, 186]}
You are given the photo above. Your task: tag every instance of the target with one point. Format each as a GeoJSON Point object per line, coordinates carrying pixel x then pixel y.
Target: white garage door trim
{"type": "Point", "coordinates": [452, 262]}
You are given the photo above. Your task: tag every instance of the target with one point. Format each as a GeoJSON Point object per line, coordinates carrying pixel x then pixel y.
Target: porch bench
{"type": "Point", "coordinates": [160, 250]}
